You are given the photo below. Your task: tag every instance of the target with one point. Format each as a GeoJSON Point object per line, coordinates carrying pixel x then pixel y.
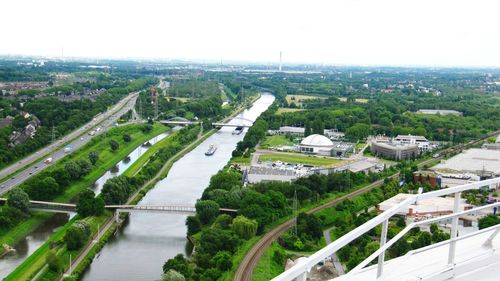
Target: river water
{"type": "Point", "coordinates": [147, 240]}
{"type": "Point", "coordinates": [39, 236]}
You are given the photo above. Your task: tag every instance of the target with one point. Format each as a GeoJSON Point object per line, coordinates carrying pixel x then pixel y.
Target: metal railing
{"type": "Point", "coordinates": [300, 270]}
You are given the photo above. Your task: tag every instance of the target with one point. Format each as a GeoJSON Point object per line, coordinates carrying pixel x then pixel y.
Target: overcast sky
{"type": "Point", "coordinates": [354, 32]}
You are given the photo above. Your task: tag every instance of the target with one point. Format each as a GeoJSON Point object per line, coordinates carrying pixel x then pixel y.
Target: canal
{"type": "Point", "coordinates": [147, 240]}
{"type": "Point", "coordinates": [29, 244]}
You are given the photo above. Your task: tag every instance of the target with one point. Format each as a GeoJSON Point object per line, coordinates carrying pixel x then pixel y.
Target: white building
{"type": "Point", "coordinates": [316, 144]}
{"type": "Point", "coordinates": [432, 206]}
{"type": "Point", "coordinates": [439, 112]}
{"type": "Point", "coordinates": [422, 142]}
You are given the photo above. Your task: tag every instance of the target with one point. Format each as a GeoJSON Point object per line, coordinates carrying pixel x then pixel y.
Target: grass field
{"type": "Point", "coordinates": [282, 110]}
{"type": "Point", "coordinates": [183, 99]}
{"type": "Point", "coordinates": [298, 99]}
{"type": "Point", "coordinates": [299, 159]}
{"type": "Point", "coordinates": [275, 141]}
{"type": "Point", "coordinates": [240, 160]}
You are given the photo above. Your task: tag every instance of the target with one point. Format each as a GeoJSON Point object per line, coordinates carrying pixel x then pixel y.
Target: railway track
{"type": "Point", "coordinates": [245, 270]}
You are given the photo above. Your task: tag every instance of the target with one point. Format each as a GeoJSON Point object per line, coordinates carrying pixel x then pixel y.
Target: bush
{"type": "Point", "coordinates": [19, 199]}
{"type": "Point", "coordinates": [55, 263]}
{"type": "Point", "coordinates": [88, 204]}
{"type": "Point", "coordinates": [207, 210]}
{"type": "Point", "coordinates": [245, 228]}
{"type": "Point", "coordinates": [76, 236]}
{"type": "Point", "coordinates": [114, 145]}
{"type": "Point", "coordinates": [193, 224]}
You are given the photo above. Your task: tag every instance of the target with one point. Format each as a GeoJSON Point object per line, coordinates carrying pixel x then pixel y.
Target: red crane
{"type": "Point", "coordinates": [153, 96]}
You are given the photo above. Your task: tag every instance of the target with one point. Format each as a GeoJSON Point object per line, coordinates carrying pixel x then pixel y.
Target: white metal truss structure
{"type": "Point", "coordinates": [478, 252]}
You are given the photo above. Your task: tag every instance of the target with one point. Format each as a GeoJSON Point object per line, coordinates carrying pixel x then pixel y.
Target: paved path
{"type": "Point", "coordinates": [335, 259]}
{"type": "Point", "coordinates": [76, 139]}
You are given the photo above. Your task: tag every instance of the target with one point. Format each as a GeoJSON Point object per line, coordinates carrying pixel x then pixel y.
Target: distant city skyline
{"type": "Point", "coordinates": [456, 33]}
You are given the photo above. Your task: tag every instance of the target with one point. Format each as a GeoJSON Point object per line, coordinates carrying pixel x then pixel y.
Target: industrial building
{"type": "Point", "coordinates": [440, 112]}
{"type": "Point", "coordinates": [432, 206]}
{"type": "Point", "coordinates": [386, 148]}
{"type": "Point", "coordinates": [422, 142]}
{"type": "Point", "coordinates": [481, 162]}
{"type": "Point", "coordinates": [300, 132]}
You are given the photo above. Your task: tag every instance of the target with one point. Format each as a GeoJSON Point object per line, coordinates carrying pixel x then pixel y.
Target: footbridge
{"type": "Point", "coordinates": [235, 122]}
{"type": "Point", "coordinates": [173, 209]}
{"type": "Point", "coordinates": [178, 121]}
{"type": "Point", "coordinates": [55, 207]}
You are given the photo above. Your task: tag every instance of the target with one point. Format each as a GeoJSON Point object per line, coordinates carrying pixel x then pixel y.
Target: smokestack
{"type": "Point", "coordinates": [280, 61]}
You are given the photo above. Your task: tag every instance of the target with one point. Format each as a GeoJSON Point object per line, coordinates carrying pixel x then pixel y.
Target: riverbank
{"type": "Point", "coordinates": [107, 161]}
{"type": "Point", "coordinates": [83, 261]}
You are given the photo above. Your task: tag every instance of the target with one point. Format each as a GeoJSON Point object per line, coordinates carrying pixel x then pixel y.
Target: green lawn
{"type": "Point", "coordinates": [275, 141]}
{"type": "Point", "coordinates": [299, 159]}
{"type": "Point", "coordinates": [240, 160]}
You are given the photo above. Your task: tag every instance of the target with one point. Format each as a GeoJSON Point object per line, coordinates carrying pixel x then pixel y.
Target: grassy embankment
{"type": "Point", "coordinates": [107, 160]}
{"type": "Point", "coordinates": [37, 262]}
{"type": "Point", "coordinates": [268, 264]}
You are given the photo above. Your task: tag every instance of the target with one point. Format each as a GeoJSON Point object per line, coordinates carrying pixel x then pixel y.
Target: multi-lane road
{"type": "Point", "coordinates": [75, 139]}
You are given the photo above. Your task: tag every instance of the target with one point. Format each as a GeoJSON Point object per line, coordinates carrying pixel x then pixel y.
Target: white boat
{"type": "Point", "coordinates": [211, 150]}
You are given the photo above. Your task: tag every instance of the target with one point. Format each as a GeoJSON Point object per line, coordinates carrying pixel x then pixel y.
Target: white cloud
{"type": "Point", "coordinates": [390, 32]}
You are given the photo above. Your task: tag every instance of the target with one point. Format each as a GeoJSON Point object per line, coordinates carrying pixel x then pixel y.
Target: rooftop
{"type": "Point", "coordinates": [317, 140]}
{"type": "Point", "coordinates": [472, 160]}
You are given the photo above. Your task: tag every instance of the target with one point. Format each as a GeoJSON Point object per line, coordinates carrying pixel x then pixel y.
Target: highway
{"type": "Point", "coordinates": [76, 139]}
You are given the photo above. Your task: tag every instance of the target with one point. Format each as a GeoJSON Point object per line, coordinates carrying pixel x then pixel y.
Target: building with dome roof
{"type": "Point", "coordinates": [316, 144]}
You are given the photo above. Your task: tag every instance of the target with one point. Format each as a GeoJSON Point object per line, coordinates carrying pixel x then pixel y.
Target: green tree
{"type": "Point", "coordinates": [214, 240]}
{"type": "Point", "coordinates": [245, 228]}
{"type": "Point", "coordinates": [88, 204]}
{"type": "Point", "coordinates": [358, 131]}
{"type": "Point", "coordinates": [117, 190]}
{"type": "Point", "coordinates": [223, 221]}
{"type": "Point", "coordinates": [114, 145]}
{"type": "Point", "coordinates": [193, 224]}
{"type": "Point", "coordinates": [73, 170]}
{"type": "Point", "coordinates": [55, 262]}
{"type": "Point", "coordinates": [76, 236]}
{"type": "Point", "coordinates": [207, 210]}
{"type": "Point", "coordinates": [85, 166]}
{"type": "Point", "coordinates": [93, 157]}
{"type": "Point", "coordinates": [127, 138]}
{"type": "Point", "coordinates": [222, 260]}
{"type": "Point", "coordinates": [172, 275]}
{"type": "Point", "coordinates": [489, 220]}
{"type": "Point", "coordinates": [19, 199]}
{"type": "Point", "coordinates": [179, 264]}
